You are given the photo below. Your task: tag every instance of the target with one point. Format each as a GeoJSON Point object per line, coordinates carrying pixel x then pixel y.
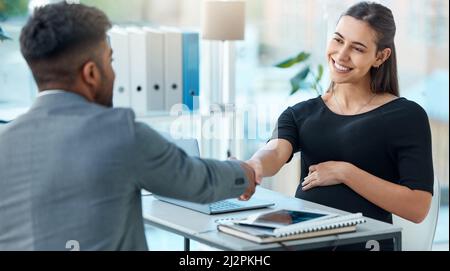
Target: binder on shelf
{"type": "Point", "coordinates": [173, 63]}
{"type": "Point", "coordinates": [122, 87]}
{"type": "Point", "coordinates": [284, 225]}
{"type": "Point", "coordinates": [155, 69]}
{"type": "Point", "coordinates": [191, 69]}
{"type": "Point", "coordinates": [137, 39]}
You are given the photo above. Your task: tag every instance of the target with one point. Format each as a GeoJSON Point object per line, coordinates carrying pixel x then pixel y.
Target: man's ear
{"type": "Point", "coordinates": [382, 56]}
{"type": "Point", "coordinates": [90, 74]}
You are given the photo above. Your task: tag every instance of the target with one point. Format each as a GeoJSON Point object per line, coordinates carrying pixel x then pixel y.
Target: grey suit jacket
{"type": "Point", "coordinates": [73, 170]}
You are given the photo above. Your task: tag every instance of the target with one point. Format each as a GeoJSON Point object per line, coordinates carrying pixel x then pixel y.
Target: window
{"type": "Point", "coordinates": [276, 30]}
{"type": "Point", "coordinates": [17, 87]}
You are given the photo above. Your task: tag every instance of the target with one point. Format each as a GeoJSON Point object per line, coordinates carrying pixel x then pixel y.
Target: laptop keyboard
{"type": "Point", "coordinates": [223, 205]}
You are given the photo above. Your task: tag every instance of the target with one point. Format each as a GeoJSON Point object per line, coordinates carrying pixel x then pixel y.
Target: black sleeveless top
{"type": "Point", "coordinates": [392, 142]}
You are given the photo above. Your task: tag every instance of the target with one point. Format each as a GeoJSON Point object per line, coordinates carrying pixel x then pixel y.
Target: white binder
{"type": "Point", "coordinates": [155, 69]}
{"type": "Point", "coordinates": [119, 43]}
{"type": "Point", "coordinates": [138, 69]}
{"type": "Point", "coordinates": [173, 62]}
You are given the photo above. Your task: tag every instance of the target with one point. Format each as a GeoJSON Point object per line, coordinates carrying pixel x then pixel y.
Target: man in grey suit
{"type": "Point", "coordinates": [72, 168]}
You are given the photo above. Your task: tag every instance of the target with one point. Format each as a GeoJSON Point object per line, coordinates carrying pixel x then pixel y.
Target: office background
{"type": "Point", "coordinates": [275, 30]}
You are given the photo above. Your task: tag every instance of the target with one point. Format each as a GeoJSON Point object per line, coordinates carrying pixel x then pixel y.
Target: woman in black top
{"type": "Point", "coordinates": [363, 149]}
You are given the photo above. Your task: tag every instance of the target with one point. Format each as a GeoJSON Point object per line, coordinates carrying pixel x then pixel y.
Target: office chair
{"type": "Point", "coordinates": [286, 180]}
{"type": "Point", "coordinates": [419, 237]}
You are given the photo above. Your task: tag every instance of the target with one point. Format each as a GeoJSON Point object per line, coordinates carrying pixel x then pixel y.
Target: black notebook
{"type": "Point", "coordinates": [284, 225]}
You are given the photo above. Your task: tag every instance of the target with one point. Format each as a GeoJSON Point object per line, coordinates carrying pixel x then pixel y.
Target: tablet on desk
{"type": "Point", "coordinates": [282, 218]}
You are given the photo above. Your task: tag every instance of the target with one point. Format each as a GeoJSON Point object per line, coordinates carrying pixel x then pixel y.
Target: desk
{"type": "Point", "coordinates": [202, 228]}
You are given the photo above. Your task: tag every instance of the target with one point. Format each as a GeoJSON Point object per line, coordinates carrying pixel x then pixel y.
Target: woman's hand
{"type": "Point", "coordinates": [325, 174]}
{"type": "Point", "coordinates": [257, 167]}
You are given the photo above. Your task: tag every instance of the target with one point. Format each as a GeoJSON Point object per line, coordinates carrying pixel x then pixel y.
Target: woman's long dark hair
{"type": "Point", "coordinates": [380, 19]}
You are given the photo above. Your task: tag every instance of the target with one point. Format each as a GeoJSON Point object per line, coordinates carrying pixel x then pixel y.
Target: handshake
{"type": "Point", "coordinates": [253, 172]}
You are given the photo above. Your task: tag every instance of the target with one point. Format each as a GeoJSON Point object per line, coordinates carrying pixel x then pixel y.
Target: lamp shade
{"type": "Point", "coordinates": [223, 20]}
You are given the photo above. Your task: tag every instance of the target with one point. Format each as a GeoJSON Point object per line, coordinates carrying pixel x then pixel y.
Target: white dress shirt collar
{"type": "Point", "coordinates": [50, 91]}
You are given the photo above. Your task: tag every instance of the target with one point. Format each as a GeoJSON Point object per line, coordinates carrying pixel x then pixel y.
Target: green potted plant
{"type": "Point", "coordinates": [308, 77]}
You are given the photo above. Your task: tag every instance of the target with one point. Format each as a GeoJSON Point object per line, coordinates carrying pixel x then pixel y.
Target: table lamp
{"type": "Point", "coordinates": [224, 21]}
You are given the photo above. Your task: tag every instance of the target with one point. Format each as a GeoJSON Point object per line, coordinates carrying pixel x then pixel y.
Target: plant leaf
{"type": "Point", "coordinates": [3, 35]}
{"type": "Point", "coordinates": [298, 81]}
{"type": "Point", "coordinates": [319, 73]}
{"type": "Point", "coordinates": [287, 63]}
{"type": "Point", "coordinates": [294, 87]}
{"type": "Point", "coordinates": [305, 85]}
{"type": "Point", "coordinates": [301, 75]}
{"type": "Point", "coordinates": [302, 56]}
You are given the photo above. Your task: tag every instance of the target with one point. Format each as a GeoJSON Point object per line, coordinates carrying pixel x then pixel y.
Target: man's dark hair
{"type": "Point", "coordinates": [59, 38]}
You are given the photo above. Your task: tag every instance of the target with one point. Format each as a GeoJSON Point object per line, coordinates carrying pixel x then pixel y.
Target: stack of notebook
{"type": "Point", "coordinates": [283, 225]}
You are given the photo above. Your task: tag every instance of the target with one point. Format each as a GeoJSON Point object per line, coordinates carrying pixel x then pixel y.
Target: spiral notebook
{"type": "Point", "coordinates": [284, 225]}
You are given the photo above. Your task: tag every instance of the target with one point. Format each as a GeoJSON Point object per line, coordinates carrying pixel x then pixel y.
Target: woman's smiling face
{"type": "Point", "coordinates": [352, 51]}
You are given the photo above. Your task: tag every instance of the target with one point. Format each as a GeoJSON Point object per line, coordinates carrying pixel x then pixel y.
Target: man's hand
{"type": "Point", "coordinates": [250, 174]}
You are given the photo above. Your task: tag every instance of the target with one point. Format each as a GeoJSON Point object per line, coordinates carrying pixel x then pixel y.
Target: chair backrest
{"type": "Point", "coordinates": [419, 237]}
{"type": "Point", "coordinates": [287, 179]}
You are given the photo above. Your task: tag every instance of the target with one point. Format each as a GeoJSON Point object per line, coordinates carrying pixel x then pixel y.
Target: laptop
{"type": "Point", "coordinates": [219, 207]}
{"type": "Point", "coordinates": [190, 146]}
